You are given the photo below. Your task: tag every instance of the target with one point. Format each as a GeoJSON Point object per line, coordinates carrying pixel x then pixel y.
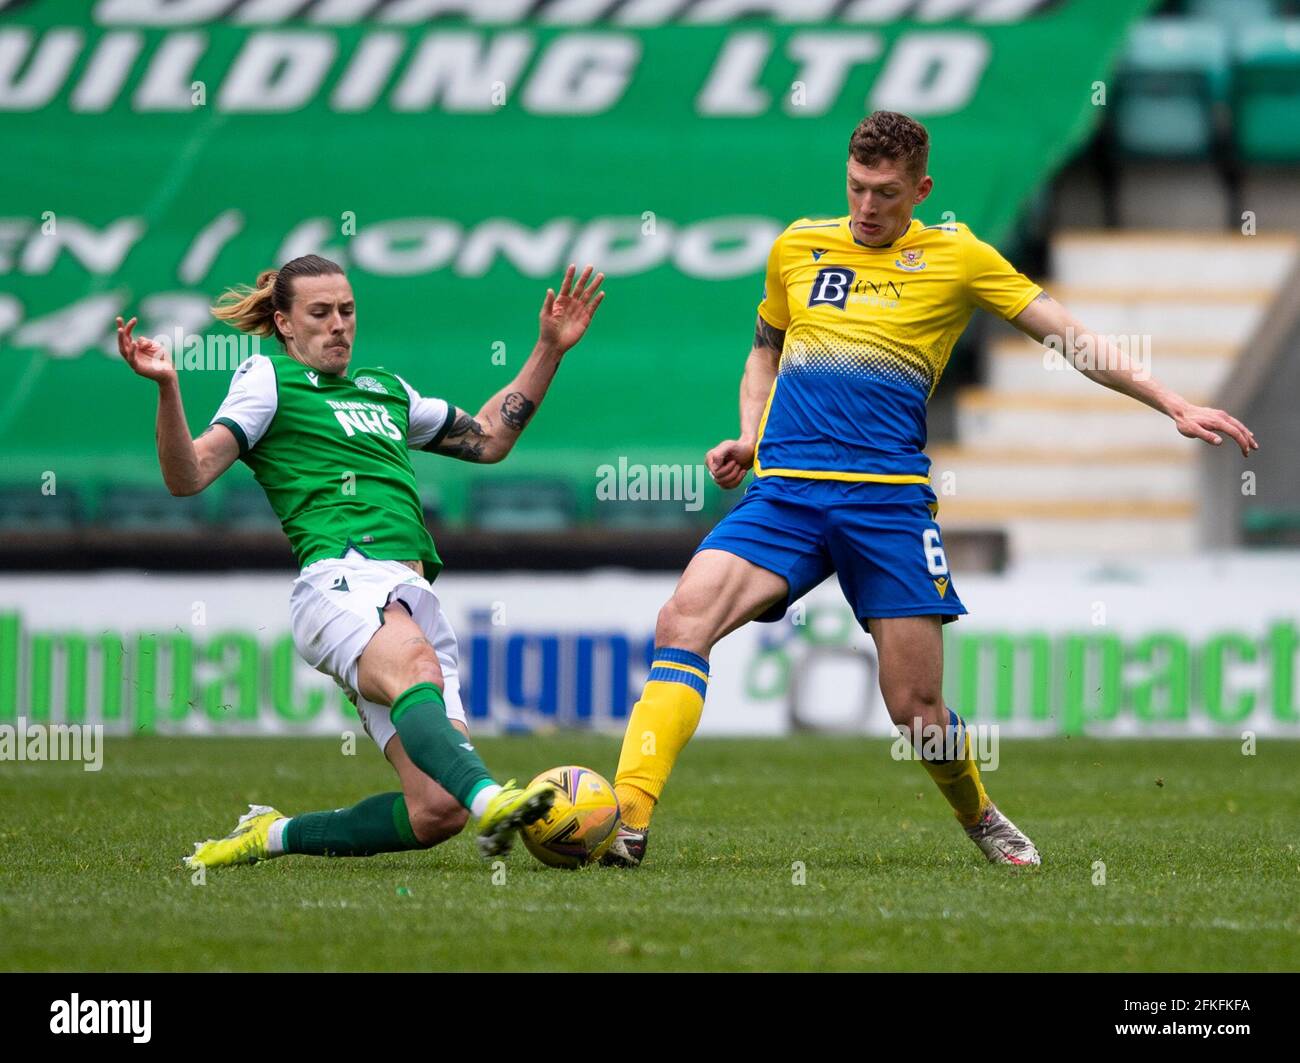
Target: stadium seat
{"type": "Point", "coordinates": [245, 508]}
{"type": "Point", "coordinates": [532, 504]}
{"type": "Point", "coordinates": [431, 503]}
{"type": "Point", "coordinates": [24, 508]}
{"type": "Point", "coordinates": [1171, 80]}
{"type": "Point", "coordinates": [1264, 526]}
{"type": "Point", "coordinates": [651, 516]}
{"type": "Point", "coordinates": [1233, 12]}
{"type": "Point", "coordinates": [150, 509]}
{"type": "Point", "coordinates": [1266, 91]}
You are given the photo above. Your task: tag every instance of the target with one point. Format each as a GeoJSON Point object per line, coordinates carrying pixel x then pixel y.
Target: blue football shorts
{"type": "Point", "coordinates": [881, 540]}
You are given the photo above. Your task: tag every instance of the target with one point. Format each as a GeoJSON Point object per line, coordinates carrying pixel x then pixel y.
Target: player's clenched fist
{"type": "Point", "coordinates": [729, 461]}
{"type": "Point", "coordinates": [145, 356]}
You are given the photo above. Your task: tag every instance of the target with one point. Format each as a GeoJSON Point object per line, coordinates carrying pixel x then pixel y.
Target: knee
{"type": "Point", "coordinates": [421, 667]}
{"type": "Point", "coordinates": [437, 819]}
{"type": "Point", "coordinates": [910, 702]}
{"type": "Point", "coordinates": [680, 625]}
{"type": "Point", "coordinates": [668, 623]}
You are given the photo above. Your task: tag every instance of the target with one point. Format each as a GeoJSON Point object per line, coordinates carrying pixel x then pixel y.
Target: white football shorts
{"type": "Point", "coordinates": [337, 606]}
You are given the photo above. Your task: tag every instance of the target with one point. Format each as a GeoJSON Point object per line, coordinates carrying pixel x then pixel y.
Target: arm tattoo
{"type": "Point", "coordinates": [516, 410]}
{"type": "Point", "coordinates": [464, 439]}
{"type": "Point", "coordinates": [1042, 297]}
{"type": "Point", "coordinates": [767, 336]}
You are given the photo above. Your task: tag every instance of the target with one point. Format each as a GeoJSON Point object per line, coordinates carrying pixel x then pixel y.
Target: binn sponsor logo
{"type": "Point", "coordinates": [838, 285]}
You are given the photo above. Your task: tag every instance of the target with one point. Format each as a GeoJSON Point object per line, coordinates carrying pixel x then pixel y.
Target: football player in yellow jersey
{"type": "Point", "coordinates": [857, 320]}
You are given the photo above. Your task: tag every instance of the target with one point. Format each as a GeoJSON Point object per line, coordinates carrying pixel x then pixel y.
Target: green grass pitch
{"type": "Point", "coordinates": [1201, 868]}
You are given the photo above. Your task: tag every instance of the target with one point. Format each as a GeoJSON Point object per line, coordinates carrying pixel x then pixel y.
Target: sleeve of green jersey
{"type": "Point", "coordinates": [251, 402]}
{"type": "Point", "coordinates": [428, 420]}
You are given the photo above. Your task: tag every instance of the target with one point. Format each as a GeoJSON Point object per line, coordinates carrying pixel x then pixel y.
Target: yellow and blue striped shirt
{"type": "Point", "coordinates": [868, 332]}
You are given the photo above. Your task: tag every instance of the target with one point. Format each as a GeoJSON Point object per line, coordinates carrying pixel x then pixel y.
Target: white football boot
{"type": "Point", "coordinates": [1002, 841]}
{"type": "Point", "coordinates": [628, 848]}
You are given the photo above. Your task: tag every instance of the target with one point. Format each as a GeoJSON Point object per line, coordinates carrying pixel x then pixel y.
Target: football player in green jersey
{"type": "Point", "coordinates": [330, 446]}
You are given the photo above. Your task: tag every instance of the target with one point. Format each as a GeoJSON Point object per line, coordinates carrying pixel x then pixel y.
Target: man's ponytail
{"type": "Point", "coordinates": [252, 309]}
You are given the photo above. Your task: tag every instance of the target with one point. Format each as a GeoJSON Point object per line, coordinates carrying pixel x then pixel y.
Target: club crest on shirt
{"type": "Point", "coordinates": [369, 383]}
{"type": "Point", "coordinates": [910, 260]}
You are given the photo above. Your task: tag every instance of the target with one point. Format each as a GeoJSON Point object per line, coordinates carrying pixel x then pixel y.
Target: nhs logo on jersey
{"type": "Point", "coordinates": [831, 286]}
{"type": "Point", "coordinates": [369, 418]}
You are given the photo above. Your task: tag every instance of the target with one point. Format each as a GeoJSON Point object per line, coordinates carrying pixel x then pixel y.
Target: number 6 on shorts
{"type": "Point", "coordinates": [934, 556]}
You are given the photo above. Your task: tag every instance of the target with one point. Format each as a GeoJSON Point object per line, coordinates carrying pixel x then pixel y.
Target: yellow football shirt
{"type": "Point", "coordinates": [868, 332]}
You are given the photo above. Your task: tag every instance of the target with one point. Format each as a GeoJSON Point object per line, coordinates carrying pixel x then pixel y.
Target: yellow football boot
{"type": "Point", "coordinates": [511, 809]}
{"type": "Point", "coordinates": [246, 844]}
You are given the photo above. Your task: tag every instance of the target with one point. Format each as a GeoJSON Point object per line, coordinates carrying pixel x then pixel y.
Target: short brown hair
{"type": "Point", "coordinates": [893, 136]}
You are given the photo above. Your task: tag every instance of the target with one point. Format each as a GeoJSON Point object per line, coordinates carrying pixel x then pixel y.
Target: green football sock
{"type": "Point", "coordinates": [379, 824]}
{"type": "Point", "coordinates": [435, 746]}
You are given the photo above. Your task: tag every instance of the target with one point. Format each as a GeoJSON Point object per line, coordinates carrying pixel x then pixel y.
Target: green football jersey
{"type": "Point", "coordinates": [332, 455]}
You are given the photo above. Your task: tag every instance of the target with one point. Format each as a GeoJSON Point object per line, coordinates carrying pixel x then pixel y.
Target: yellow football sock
{"type": "Point", "coordinates": [958, 779]}
{"type": "Point", "coordinates": [661, 724]}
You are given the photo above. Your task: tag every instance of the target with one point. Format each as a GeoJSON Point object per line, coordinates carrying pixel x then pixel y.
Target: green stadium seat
{"type": "Point", "coordinates": [24, 508]}
{"type": "Point", "coordinates": [1266, 91]}
{"type": "Point", "coordinates": [630, 514]}
{"type": "Point", "coordinates": [244, 508]}
{"type": "Point", "coordinates": [431, 503]}
{"type": "Point", "coordinates": [1172, 78]}
{"type": "Point", "coordinates": [1233, 12]}
{"type": "Point", "coordinates": [533, 504]}
{"type": "Point", "coordinates": [1267, 526]}
{"type": "Point", "coordinates": [150, 509]}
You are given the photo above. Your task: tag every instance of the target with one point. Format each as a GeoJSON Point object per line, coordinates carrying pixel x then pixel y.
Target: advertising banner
{"type": "Point", "coordinates": [454, 156]}
{"type": "Point", "coordinates": [1192, 648]}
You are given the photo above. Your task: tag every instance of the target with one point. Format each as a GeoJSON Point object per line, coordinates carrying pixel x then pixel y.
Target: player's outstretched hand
{"type": "Point", "coordinates": [729, 461]}
{"type": "Point", "coordinates": [1204, 422]}
{"type": "Point", "coordinates": [144, 356]}
{"type": "Point", "coordinates": [565, 317]}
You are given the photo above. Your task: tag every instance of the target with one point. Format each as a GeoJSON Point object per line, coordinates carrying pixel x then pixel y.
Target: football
{"type": "Point", "coordinates": [580, 825]}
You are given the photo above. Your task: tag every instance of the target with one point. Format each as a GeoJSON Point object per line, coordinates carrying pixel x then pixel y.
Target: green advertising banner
{"type": "Point", "coordinates": [454, 157]}
{"type": "Point", "coordinates": [1193, 647]}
